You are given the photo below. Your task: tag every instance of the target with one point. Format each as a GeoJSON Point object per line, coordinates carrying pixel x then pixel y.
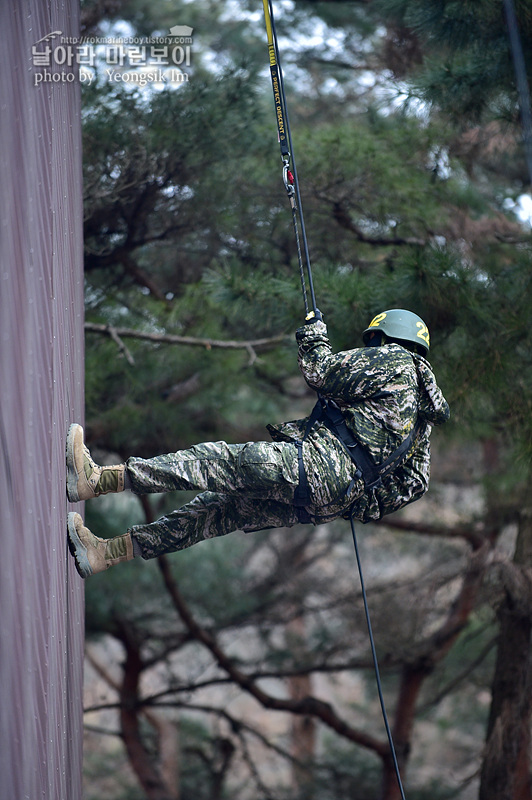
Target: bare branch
{"type": "Point", "coordinates": [141, 277]}
{"type": "Point", "coordinates": [180, 391]}
{"type": "Point", "coordinates": [473, 533]}
{"type": "Point", "coordinates": [309, 706]}
{"type": "Point", "coordinates": [121, 346]}
{"type": "Point", "coordinates": [461, 676]}
{"type": "Point", "coordinates": [170, 338]}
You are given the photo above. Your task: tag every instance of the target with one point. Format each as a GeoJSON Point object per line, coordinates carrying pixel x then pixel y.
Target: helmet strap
{"type": "Point", "coordinates": [376, 339]}
{"type": "Point", "coordinates": [411, 346]}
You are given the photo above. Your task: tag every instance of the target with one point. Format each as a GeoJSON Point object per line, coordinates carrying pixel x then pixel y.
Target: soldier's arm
{"type": "Point", "coordinates": [342, 376]}
{"type": "Point", "coordinates": [432, 404]}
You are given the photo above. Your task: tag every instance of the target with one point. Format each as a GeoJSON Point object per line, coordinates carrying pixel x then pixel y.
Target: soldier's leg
{"type": "Point", "coordinates": [210, 514]}
{"type": "Point", "coordinates": [259, 469]}
{"type": "Point", "coordinates": [85, 478]}
{"type": "Point", "coordinates": [92, 554]}
{"type": "Point", "coordinates": [263, 469]}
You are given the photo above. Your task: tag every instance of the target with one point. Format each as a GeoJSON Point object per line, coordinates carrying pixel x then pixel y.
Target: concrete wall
{"type": "Point", "coordinates": [41, 390]}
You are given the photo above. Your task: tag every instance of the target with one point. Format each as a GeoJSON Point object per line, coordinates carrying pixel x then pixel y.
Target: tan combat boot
{"type": "Point", "coordinates": [92, 554]}
{"type": "Point", "coordinates": [85, 479]}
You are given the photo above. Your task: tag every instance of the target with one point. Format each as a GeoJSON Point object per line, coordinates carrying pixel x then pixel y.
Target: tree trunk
{"type": "Point", "coordinates": [303, 728]}
{"type": "Point", "coordinates": [167, 731]}
{"type": "Point", "coordinates": [303, 735]}
{"type": "Point", "coordinates": [505, 773]}
{"type": "Point", "coordinates": [146, 770]}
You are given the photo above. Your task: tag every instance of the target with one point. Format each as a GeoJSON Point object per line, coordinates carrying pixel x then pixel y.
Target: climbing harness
{"type": "Point", "coordinates": [371, 473]}
{"type": "Point", "coordinates": [329, 413]}
{"type": "Point", "coordinates": [290, 179]}
{"type": "Point", "coordinates": [325, 410]}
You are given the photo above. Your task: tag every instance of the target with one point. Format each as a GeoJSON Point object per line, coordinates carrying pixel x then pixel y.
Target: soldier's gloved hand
{"type": "Point", "coordinates": [313, 316]}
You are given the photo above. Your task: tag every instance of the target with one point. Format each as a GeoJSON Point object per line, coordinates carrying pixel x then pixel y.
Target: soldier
{"type": "Point", "coordinates": [362, 453]}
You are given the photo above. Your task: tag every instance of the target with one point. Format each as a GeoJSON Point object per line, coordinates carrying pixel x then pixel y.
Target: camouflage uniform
{"type": "Point", "coordinates": [250, 487]}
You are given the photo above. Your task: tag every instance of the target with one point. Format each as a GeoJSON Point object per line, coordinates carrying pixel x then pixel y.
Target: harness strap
{"type": "Point", "coordinates": [399, 454]}
{"type": "Point", "coordinates": [334, 420]}
{"type": "Point", "coordinates": [371, 473]}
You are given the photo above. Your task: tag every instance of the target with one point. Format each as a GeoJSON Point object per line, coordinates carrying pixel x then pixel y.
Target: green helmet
{"type": "Point", "coordinates": [399, 325]}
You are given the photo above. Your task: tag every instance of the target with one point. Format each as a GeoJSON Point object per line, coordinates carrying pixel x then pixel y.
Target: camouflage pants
{"type": "Point", "coordinates": [247, 487]}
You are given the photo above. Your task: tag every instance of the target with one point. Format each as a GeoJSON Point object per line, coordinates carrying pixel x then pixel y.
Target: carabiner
{"type": "Point", "coordinates": [288, 178]}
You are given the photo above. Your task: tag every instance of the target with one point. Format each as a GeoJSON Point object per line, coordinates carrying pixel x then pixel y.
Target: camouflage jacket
{"type": "Point", "coordinates": [382, 392]}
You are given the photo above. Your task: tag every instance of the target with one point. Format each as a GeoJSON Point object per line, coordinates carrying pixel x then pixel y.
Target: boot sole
{"type": "Point", "coordinates": [72, 473]}
{"type": "Point", "coordinates": [77, 548]}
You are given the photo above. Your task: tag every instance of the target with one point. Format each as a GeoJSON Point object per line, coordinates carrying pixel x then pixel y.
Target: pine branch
{"type": "Point", "coordinates": [343, 218]}
{"type": "Point", "coordinates": [93, 13]}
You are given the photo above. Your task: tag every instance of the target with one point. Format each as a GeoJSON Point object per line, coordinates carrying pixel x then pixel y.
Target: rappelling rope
{"type": "Point", "coordinates": [376, 663]}
{"type": "Point", "coordinates": [291, 184]}
{"type": "Point", "coordinates": [290, 178]}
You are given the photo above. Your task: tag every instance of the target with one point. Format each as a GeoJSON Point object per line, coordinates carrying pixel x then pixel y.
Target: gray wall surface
{"type": "Point", "coordinates": [41, 391]}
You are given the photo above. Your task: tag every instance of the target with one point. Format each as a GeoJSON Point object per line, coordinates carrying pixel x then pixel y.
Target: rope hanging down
{"type": "Point", "coordinates": [291, 183]}
{"type": "Point", "coordinates": [376, 664]}
{"type": "Point", "coordinates": [290, 178]}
